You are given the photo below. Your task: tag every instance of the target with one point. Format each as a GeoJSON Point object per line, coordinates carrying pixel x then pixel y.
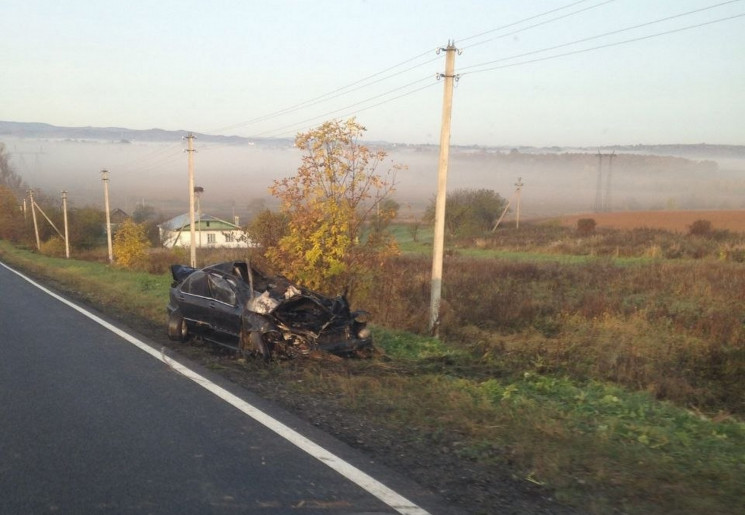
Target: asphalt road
{"type": "Point", "coordinates": [91, 423]}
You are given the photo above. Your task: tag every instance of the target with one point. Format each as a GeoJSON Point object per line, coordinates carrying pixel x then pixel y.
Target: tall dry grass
{"type": "Point", "coordinates": [672, 328]}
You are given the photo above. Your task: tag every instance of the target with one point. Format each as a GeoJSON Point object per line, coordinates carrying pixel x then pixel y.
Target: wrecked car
{"type": "Point", "coordinates": [235, 305]}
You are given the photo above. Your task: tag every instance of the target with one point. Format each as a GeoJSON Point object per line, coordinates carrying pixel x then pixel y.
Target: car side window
{"type": "Point", "coordinates": [196, 284]}
{"type": "Point", "coordinates": [221, 290]}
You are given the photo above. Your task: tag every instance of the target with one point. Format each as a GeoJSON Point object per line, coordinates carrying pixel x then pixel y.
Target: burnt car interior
{"type": "Point", "coordinates": [236, 305]}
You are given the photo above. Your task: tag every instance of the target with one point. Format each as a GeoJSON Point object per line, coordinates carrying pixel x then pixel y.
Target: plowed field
{"type": "Point", "coordinates": [677, 221]}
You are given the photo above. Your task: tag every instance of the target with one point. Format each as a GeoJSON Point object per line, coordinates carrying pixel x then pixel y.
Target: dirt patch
{"type": "Point", "coordinates": [675, 221]}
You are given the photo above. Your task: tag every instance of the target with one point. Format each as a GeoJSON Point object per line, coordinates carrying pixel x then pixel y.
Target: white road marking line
{"type": "Point", "coordinates": [346, 469]}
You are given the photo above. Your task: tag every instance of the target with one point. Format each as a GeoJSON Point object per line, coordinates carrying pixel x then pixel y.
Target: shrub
{"type": "Point", "coordinates": [700, 228]}
{"type": "Point", "coordinates": [130, 245]}
{"type": "Point", "coordinates": [586, 226]}
{"type": "Point", "coordinates": [53, 247]}
{"type": "Point", "coordinates": [160, 260]}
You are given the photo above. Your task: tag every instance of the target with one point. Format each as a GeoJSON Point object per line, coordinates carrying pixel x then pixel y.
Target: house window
{"type": "Point", "coordinates": [229, 237]}
{"type": "Point", "coordinates": [210, 238]}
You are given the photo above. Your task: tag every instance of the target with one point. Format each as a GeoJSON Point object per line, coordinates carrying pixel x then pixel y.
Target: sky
{"type": "Point", "coordinates": [532, 73]}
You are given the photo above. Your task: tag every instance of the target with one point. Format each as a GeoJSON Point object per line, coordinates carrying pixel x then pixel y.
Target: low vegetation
{"type": "Point", "coordinates": [606, 373]}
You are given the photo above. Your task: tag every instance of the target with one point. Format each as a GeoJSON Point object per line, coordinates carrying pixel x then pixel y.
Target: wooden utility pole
{"type": "Point", "coordinates": [64, 217]}
{"type": "Point", "coordinates": [442, 176]}
{"type": "Point", "coordinates": [105, 179]}
{"type": "Point", "coordinates": [33, 215]}
{"type": "Point", "coordinates": [192, 229]}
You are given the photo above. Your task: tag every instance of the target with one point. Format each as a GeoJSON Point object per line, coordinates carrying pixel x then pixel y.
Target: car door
{"type": "Point", "coordinates": [193, 299]}
{"type": "Point", "coordinates": [225, 311]}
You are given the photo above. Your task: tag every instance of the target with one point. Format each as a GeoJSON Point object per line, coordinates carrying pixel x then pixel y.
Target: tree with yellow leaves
{"type": "Point", "coordinates": [338, 188]}
{"type": "Point", "coordinates": [130, 245]}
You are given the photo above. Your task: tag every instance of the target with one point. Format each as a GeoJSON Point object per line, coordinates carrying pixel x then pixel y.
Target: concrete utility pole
{"type": "Point", "coordinates": [190, 150]}
{"type": "Point", "coordinates": [198, 190]}
{"type": "Point", "coordinates": [607, 203]}
{"type": "Point", "coordinates": [599, 185]}
{"type": "Point", "coordinates": [519, 184]}
{"type": "Point", "coordinates": [33, 215]}
{"type": "Point", "coordinates": [442, 176]}
{"type": "Point", "coordinates": [603, 203]}
{"type": "Point", "coordinates": [105, 179]}
{"type": "Point", "coordinates": [64, 216]}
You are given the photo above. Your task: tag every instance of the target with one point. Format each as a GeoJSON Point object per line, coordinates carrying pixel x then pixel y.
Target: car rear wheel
{"type": "Point", "coordinates": [177, 329]}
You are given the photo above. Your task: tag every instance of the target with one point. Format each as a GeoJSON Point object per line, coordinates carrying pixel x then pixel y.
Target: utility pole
{"type": "Point", "coordinates": [64, 217]}
{"type": "Point", "coordinates": [442, 175]}
{"type": "Point", "coordinates": [603, 203]}
{"type": "Point", "coordinates": [105, 179]}
{"type": "Point", "coordinates": [607, 203]}
{"type": "Point", "coordinates": [519, 185]}
{"type": "Point", "coordinates": [516, 197]}
{"type": "Point", "coordinates": [33, 215]}
{"type": "Point", "coordinates": [599, 185]}
{"type": "Point", "coordinates": [198, 190]}
{"type": "Point", "coordinates": [190, 150]}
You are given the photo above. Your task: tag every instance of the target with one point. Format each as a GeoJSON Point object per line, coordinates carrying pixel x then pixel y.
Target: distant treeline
{"type": "Point", "coordinates": [621, 162]}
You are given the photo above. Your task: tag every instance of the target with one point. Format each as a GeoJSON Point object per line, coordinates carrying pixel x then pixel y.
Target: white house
{"type": "Point", "coordinates": [210, 232]}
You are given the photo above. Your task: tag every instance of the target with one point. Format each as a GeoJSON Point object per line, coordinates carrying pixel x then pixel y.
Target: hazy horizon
{"type": "Point", "coordinates": [236, 178]}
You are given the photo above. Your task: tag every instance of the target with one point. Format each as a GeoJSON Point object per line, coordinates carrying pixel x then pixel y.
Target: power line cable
{"type": "Point", "coordinates": [365, 82]}
{"type": "Point", "coordinates": [325, 98]}
{"type": "Point", "coordinates": [300, 128]}
{"type": "Point", "coordinates": [522, 21]}
{"type": "Point", "coordinates": [660, 20]}
{"type": "Point", "coordinates": [333, 94]}
{"type": "Point", "coordinates": [535, 60]}
{"type": "Point", "coordinates": [329, 113]}
{"type": "Point", "coordinates": [534, 25]}
{"type": "Point", "coordinates": [617, 43]}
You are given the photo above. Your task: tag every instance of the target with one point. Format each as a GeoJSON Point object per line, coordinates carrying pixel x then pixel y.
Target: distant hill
{"type": "Point", "coordinates": [123, 135]}
{"type": "Point", "coordinates": [113, 134]}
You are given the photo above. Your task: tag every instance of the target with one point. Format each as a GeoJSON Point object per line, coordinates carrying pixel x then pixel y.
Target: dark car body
{"type": "Point", "coordinates": [236, 305]}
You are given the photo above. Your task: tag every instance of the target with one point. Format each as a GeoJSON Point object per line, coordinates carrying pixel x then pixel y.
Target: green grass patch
{"type": "Point", "coordinates": [406, 345]}
{"type": "Point", "coordinates": [103, 285]}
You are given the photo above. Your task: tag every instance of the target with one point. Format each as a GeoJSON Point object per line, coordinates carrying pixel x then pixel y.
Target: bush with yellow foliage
{"type": "Point", "coordinates": [130, 245]}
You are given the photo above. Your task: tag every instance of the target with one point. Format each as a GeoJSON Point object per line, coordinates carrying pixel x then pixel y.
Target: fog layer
{"type": "Point", "coordinates": [236, 178]}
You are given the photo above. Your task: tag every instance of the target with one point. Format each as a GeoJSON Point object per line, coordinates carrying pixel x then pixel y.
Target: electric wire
{"type": "Point", "coordinates": [610, 33]}
{"type": "Point", "coordinates": [365, 82]}
{"type": "Point", "coordinates": [381, 75]}
{"type": "Point", "coordinates": [608, 45]}
{"type": "Point", "coordinates": [357, 111]}
{"type": "Point", "coordinates": [345, 108]}
{"type": "Point", "coordinates": [325, 98]}
{"type": "Point", "coordinates": [333, 94]}
{"type": "Point", "coordinates": [534, 25]}
{"type": "Point", "coordinates": [523, 20]}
